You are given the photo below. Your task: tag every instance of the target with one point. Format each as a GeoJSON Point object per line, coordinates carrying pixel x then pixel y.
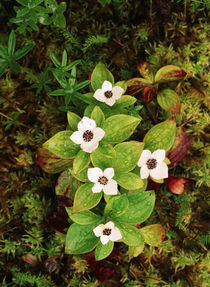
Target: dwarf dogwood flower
{"type": "Point", "coordinates": [107, 232]}
{"type": "Point", "coordinates": [103, 180]}
{"type": "Point", "coordinates": [107, 94]}
{"type": "Point", "coordinates": [153, 164]}
{"type": "Point", "coordinates": [88, 135]}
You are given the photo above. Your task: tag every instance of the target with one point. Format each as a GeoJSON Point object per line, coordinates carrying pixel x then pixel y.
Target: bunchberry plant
{"type": "Point", "coordinates": [111, 170]}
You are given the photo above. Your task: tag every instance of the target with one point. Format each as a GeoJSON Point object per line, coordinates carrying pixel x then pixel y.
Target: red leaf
{"type": "Point", "coordinates": [178, 184]}
{"type": "Point", "coordinates": [59, 219]}
{"type": "Point", "coordinates": [180, 146]}
{"type": "Point", "coordinates": [50, 162]}
{"type": "Point", "coordinates": [135, 85]}
{"type": "Point", "coordinates": [148, 94]}
{"type": "Point", "coordinates": [169, 73]}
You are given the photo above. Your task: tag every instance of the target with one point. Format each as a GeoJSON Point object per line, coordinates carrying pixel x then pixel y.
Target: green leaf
{"type": "Point", "coordinates": [98, 116]}
{"type": "Point", "coordinates": [60, 21]}
{"type": "Point", "coordinates": [81, 161]}
{"type": "Point", "coordinates": [169, 101]}
{"type": "Point", "coordinates": [103, 156]}
{"type": "Point", "coordinates": [102, 251]}
{"type": "Point", "coordinates": [23, 2]}
{"type": "Point", "coordinates": [119, 127]}
{"type": "Point", "coordinates": [67, 184]}
{"type": "Point", "coordinates": [86, 217]}
{"type": "Point", "coordinates": [116, 206]}
{"type": "Point", "coordinates": [169, 73]}
{"type": "Point", "coordinates": [134, 251]}
{"type": "Point", "coordinates": [140, 207]}
{"type": "Point", "coordinates": [3, 52]}
{"type": "Point", "coordinates": [61, 145]}
{"type": "Point", "coordinates": [129, 181]}
{"type": "Point", "coordinates": [127, 155]}
{"type": "Point", "coordinates": [11, 43]}
{"type": "Point", "coordinates": [130, 234]}
{"type": "Point", "coordinates": [80, 239]}
{"type": "Point", "coordinates": [124, 101]}
{"type": "Point", "coordinates": [58, 92]}
{"type": "Point", "coordinates": [99, 75]}
{"type": "Point", "coordinates": [73, 120]}
{"type": "Point", "coordinates": [3, 68]}
{"type": "Point", "coordinates": [161, 136]}
{"type": "Point", "coordinates": [81, 176]}
{"type": "Point", "coordinates": [153, 234]}
{"type": "Point", "coordinates": [81, 85]}
{"type": "Point", "coordinates": [85, 199]}
{"type": "Point", "coordinates": [64, 58]}
{"type": "Point", "coordinates": [22, 52]}
{"type": "Point", "coordinates": [121, 84]}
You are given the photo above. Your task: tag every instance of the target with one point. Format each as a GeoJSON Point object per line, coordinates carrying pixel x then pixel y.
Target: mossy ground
{"type": "Point", "coordinates": [120, 34]}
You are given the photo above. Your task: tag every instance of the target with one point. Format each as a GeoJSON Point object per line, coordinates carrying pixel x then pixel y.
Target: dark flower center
{"type": "Point", "coordinates": [107, 231]}
{"type": "Point", "coordinates": [103, 180]}
{"type": "Point", "coordinates": [87, 136]}
{"type": "Point", "coordinates": [108, 94]}
{"type": "Point", "coordinates": [151, 163]}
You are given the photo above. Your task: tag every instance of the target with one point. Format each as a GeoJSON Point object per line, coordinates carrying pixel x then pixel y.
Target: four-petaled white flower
{"type": "Point", "coordinates": [153, 164]}
{"type": "Point", "coordinates": [88, 135]}
{"type": "Point", "coordinates": [103, 180]}
{"type": "Point", "coordinates": [107, 232]}
{"type": "Point", "coordinates": [107, 94]}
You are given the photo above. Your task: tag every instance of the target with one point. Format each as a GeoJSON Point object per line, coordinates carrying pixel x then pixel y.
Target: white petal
{"type": "Point", "coordinates": [98, 230]}
{"type": "Point", "coordinates": [111, 187]}
{"type": "Point", "coordinates": [89, 146]}
{"type": "Point", "coordinates": [107, 86]}
{"type": "Point", "coordinates": [110, 101]}
{"type": "Point", "coordinates": [145, 155]}
{"type": "Point", "coordinates": [97, 188]}
{"type": "Point", "coordinates": [94, 173]}
{"type": "Point", "coordinates": [161, 171]}
{"type": "Point", "coordinates": [104, 239]}
{"type": "Point", "coordinates": [109, 224]}
{"type": "Point", "coordinates": [86, 124]}
{"type": "Point", "coordinates": [144, 172]}
{"type": "Point", "coordinates": [159, 155]}
{"type": "Point", "coordinates": [99, 95]}
{"type": "Point", "coordinates": [76, 137]}
{"type": "Point", "coordinates": [117, 92]}
{"type": "Point", "coordinates": [109, 172]}
{"type": "Point", "coordinates": [98, 134]}
{"type": "Point", "coordinates": [115, 235]}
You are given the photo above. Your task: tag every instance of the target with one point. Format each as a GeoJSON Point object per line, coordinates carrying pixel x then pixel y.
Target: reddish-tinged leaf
{"type": "Point", "coordinates": [59, 219]}
{"type": "Point", "coordinates": [148, 94]}
{"type": "Point", "coordinates": [51, 163]}
{"type": "Point", "coordinates": [169, 73]}
{"type": "Point", "coordinates": [145, 71]}
{"type": "Point", "coordinates": [30, 259]}
{"type": "Point", "coordinates": [180, 146]}
{"type": "Point", "coordinates": [178, 184]}
{"type": "Point", "coordinates": [169, 101]}
{"type": "Point", "coordinates": [135, 85]}
{"type": "Point", "coordinates": [153, 234]}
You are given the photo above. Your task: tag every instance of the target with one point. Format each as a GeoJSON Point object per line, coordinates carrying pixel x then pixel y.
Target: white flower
{"type": "Point", "coordinates": [88, 135]}
{"type": "Point", "coordinates": [152, 164]}
{"type": "Point", "coordinates": [107, 94]}
{"type": "Point", "coordinates": [107, 232]}
{"type": "Point", "coordinates": [103, 180]}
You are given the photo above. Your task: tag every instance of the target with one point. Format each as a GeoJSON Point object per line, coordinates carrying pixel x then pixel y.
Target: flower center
{"type": "Point", "coordinates": [103, 180]}
{"type": "Point", "coordinates": [108, 94]}
{"type": "Point", "coordinates": [87, 136]}
{"type": "Point", "coordinates": [151, 163]}
{"type": "Point", "coordinates": [107, 231]}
